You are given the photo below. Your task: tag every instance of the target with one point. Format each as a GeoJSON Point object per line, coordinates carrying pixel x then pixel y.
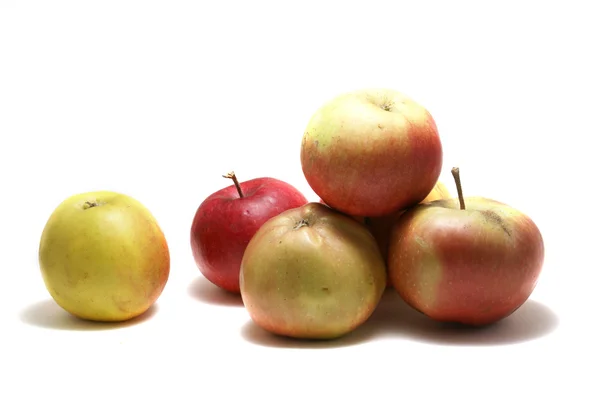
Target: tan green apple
{"type": "Point", "coordinates": [103, 256]}
{"type": "Point", "coordinates": [313, 273]}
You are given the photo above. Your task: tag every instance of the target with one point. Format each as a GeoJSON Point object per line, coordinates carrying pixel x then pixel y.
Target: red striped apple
{"type": "Point", "coordinates": [371, 152]}
{"type": "Point", "coordinates": [227, 219]}
{"type": "Point", "coordinates": [467, 260]}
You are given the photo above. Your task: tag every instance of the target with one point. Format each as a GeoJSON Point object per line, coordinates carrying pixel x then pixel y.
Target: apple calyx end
{"type": "Point", "coordinates": [301, 223]}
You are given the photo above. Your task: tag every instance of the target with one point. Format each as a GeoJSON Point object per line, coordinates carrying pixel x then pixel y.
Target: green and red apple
{"type": "Point", "coordinates": [312, 273]}
{"type": "Point", "coordinates": [103, 256]}
{"type": "Point", "coordinates": [468, 260]}
{"type": "Point", "coordinates": [371, 152]}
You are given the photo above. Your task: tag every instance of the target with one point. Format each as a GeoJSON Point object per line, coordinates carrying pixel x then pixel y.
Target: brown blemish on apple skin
{"type": "Point", "coordinates": [494, 217]}
{"type": "Point", "coordinates": [387, 105]}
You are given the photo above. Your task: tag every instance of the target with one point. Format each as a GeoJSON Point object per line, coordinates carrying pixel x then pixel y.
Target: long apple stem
{"type": "Point", "coordinates": [231, 175]}
{"type": "Point", "coordinates": [456, 175]}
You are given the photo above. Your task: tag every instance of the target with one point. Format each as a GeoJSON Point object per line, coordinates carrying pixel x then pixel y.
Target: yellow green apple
{"type": "Point", "coordinates": [439, 191]}
{"type": "Point", "coordinates": [103, 256]}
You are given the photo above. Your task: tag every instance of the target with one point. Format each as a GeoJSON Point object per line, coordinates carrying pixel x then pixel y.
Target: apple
{"type": "Point", "coordinates": [380, 226]}
{"type": "Point", "coordinates": [312, 273]}
{"type": "Point", "coordinates": [103, 256]}
{"type": "Point", "coordinates": [371, 152]}
{"type": "Point", "coordinates": [472, 261]}
{"type": "Point", "coordinates": [226, 220]}
{"type": "Point", "coordinates": [360, 219]}
{"type": "Point", "coordinates": [439, 191]}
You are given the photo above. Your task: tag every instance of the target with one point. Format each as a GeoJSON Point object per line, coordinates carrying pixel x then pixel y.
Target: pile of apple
{"type": "Point", "coordinates": [317, 270]}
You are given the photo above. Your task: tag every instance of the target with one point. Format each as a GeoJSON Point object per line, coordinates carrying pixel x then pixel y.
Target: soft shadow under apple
{"type": "Point", "coordinates": [255, 334]}
{"type": "Point", "coordinates": [394, 317]}
{"type": "Point", "coordinates": [47, 314]}
{"type": "Point", "coordinates": [205, 291]}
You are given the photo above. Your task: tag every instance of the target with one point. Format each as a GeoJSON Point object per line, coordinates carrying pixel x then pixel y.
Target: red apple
{"type": "Point", "coordinates": [312, 273]}
{"type": "Point", "coordinates": [226, 221]}
{"type": "Point", "coordinates": [371, 152]}
{"type": "Point", "coordinates": [468, 260]}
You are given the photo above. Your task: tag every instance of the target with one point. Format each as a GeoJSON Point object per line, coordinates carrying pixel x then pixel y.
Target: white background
{"type": "Point", "coordinates": [159, 99]}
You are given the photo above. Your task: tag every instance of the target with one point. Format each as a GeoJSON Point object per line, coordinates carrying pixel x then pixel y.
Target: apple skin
{"type": "Point", "coordinates": [371, 152]}
{"type": "Point", "coordinates": [380, 226]}
{"type": "Point", "coordinates": [224, 223]}
{"type": "Point", "coordinates": [439, 191]}
{"type": "Point", "coordinates": [474, 266]}
{"type": "Point", "coordinates": [312, 273]}
{"type": "Point", "coordinates": [109, 262]}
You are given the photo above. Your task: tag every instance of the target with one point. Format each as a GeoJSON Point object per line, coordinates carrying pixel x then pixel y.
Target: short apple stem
{"type": "Point", "coordinates": [231, 175]}
{"type": "Point", "coordinates": [456, 175]}
{"type": "Point", "coordinates": [300, 224]}
{"type": "Point", "coordinates": [89, 204]}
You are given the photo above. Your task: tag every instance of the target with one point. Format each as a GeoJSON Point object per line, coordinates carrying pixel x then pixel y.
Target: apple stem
{"type": "Point", "coordinates": [231, 175]}
{"type": "Point", "coordinates": [89, 204]}
{"type": "Point", "coordinates": [456, 175]}
{"type": "Point", "coordinates": [300, 224]}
